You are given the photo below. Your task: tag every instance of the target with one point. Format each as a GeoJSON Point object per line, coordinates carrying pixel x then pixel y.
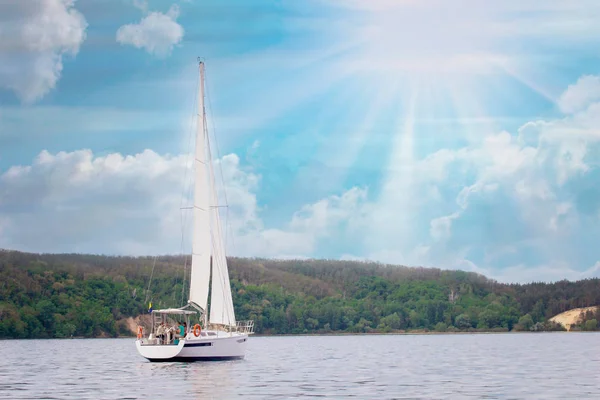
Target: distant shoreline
{"type": "Point", "coordinates": [336, 334]}
{"type": "Point", "coordinates": [404, 333]}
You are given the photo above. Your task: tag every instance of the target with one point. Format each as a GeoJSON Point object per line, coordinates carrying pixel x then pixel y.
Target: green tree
{"type": "Point", "coordinates": [392, 321]}
{"type": "Point", "coordinates": [462, 321]}
{"type": "Point", "coordinates": [441, 327]}
{"type": "Point", "coordinates": [591, 325]}
{"type": "Point", "coordinates": [525, 323]}
{"type": "Point", "coordinates": [59, 295]}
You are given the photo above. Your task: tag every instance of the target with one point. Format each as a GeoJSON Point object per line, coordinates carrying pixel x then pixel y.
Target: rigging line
{"type": "Point", "coordinates": [215, 136]}
{"type": "Point", "coordinates": [185, 260]}
{"type": "Point", "coordinates": [194, 116]}
{"type": "Point", "coordinates": [219, 252]}
{"type": "Point", "coordinates": [150, 281]}
{"type": "Point", "coordinates": [186, 187]}
{"type": "Point", "coordinates": [184, 227]}
{"type": "Point", "coordinates": [220, 163]}
{"type": "Point", "coordinates": [175, 281]}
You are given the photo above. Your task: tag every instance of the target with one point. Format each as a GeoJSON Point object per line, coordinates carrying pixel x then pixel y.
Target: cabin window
{"type": "Point", "coordinates": [198, 344]}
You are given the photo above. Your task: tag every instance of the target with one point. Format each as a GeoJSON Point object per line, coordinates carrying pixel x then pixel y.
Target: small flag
{"type": "Point", "coordinates": [150, 307]}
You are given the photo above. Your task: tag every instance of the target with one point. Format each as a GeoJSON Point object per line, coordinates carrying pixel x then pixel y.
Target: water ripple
{"type": "Point", "coordinates": [520, 366]}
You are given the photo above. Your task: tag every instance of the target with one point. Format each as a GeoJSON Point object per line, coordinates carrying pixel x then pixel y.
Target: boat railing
{"type": "Point", "coordinates": [245, 327]}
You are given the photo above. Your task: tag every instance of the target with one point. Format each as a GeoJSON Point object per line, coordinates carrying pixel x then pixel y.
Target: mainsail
{"type": "Point", "coordinates": [208, 249]}
{"type": "Point", "coordinates": [201, 240]}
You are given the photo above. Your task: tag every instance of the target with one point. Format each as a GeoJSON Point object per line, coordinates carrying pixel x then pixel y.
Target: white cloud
{"type": "Point", "coordinates": [240, 188]}
{"type": "Point", "coordinates": [157, 33]}
{"type": "Point", "coordinates": [315, 223]}
{"type": "Point", "coordinates": [78, 202]}
{"type": "Point", "coordinates": [36, 36]}
{"type": "Point", "coordinates": [415, 257]}
{"type": "Point", "coordinates": [440, 227]}
{"type": "Point", "coordinates": [112, 204]}
{"type": "Point", "coordinates": [558, 271]}
{"type": "Point", "coordinates": [520, 203]}
{"type": "Point", "coordinates": [141, 5]}
{"type": "Point", "coordinates": [319, 218]}
{"type": "Point", "coordinates": [580, 95]}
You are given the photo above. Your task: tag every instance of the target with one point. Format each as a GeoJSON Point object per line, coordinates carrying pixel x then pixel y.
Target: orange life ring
{"type": "Point", "coordinates": [140, 332]}
{"type": "Point", "coordinates": [197, 330]}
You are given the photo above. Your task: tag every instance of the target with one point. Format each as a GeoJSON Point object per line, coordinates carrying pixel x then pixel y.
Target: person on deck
{"type": "Point", "coordinates": [182, 330]}
{"type": "Point", "coordinates": [160, 332]}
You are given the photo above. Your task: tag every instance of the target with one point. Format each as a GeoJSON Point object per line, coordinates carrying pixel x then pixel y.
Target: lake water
{"type": "Point", "coordinates": [484, 366]}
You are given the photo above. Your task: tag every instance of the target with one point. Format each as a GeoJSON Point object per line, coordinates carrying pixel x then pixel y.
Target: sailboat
{"type": "Point", "coordinates": [205, 336]}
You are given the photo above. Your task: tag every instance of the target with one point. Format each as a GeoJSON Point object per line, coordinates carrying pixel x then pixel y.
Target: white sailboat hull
{"type": "Point", "coordinates": [220, 346]}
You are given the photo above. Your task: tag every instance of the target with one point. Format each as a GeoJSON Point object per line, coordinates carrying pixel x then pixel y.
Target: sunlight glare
{"type": "Point", "coordinates": [398, 192]}
{"type": "Point", "coordinates": [430, 37]}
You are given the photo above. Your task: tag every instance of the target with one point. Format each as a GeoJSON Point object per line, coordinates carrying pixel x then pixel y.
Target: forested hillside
{"type": "Point", "coordinates": [64, 295]}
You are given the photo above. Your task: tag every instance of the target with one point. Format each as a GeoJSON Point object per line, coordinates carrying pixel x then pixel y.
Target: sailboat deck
{"type": "Point", "coordinates": [205, 336]}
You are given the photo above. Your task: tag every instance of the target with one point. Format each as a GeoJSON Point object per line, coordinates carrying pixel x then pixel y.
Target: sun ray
{"type": "Point", "coordinates": [322, 134]}
{"type": "Point", "coordinates": [368, 104]}
{"type": "Point", "coordinates": [397, 191]}
{"type": "Point", "coordinates": [360, 133]}
{"type": "Point", "coordinates": [529, 82]}
{"type": "Point", "coordinates": [402, 154]}
{"type": "Point", "coordinates": [260, 106]}
{"type": "Point", "coordinates": [472, 120]}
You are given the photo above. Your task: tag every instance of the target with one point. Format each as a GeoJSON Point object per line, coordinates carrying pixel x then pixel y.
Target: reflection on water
{"type": "Point", "coordinates": [203, 380]}
{"type": "Point", "coordinates": [527, 366]}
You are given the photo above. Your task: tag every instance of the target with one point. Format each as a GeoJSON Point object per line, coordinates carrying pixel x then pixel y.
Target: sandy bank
{"type": "Point", "coordinates": [571, 317]}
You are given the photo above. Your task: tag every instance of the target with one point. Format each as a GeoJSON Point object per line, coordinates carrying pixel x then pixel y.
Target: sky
{"type": "Point", "coordinates": [458, 134]}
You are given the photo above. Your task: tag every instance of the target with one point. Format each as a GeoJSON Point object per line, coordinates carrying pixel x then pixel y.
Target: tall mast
{"type": "Point", "coordinates": [201, 240]}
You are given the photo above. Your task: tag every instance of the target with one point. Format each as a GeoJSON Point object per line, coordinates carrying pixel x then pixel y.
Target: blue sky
{"type": "Point", "coordinates": [453, 134]}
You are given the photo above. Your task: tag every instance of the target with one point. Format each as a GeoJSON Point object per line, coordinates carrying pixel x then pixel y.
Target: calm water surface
{"type": "Point", "coordinates": [494, 366]}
